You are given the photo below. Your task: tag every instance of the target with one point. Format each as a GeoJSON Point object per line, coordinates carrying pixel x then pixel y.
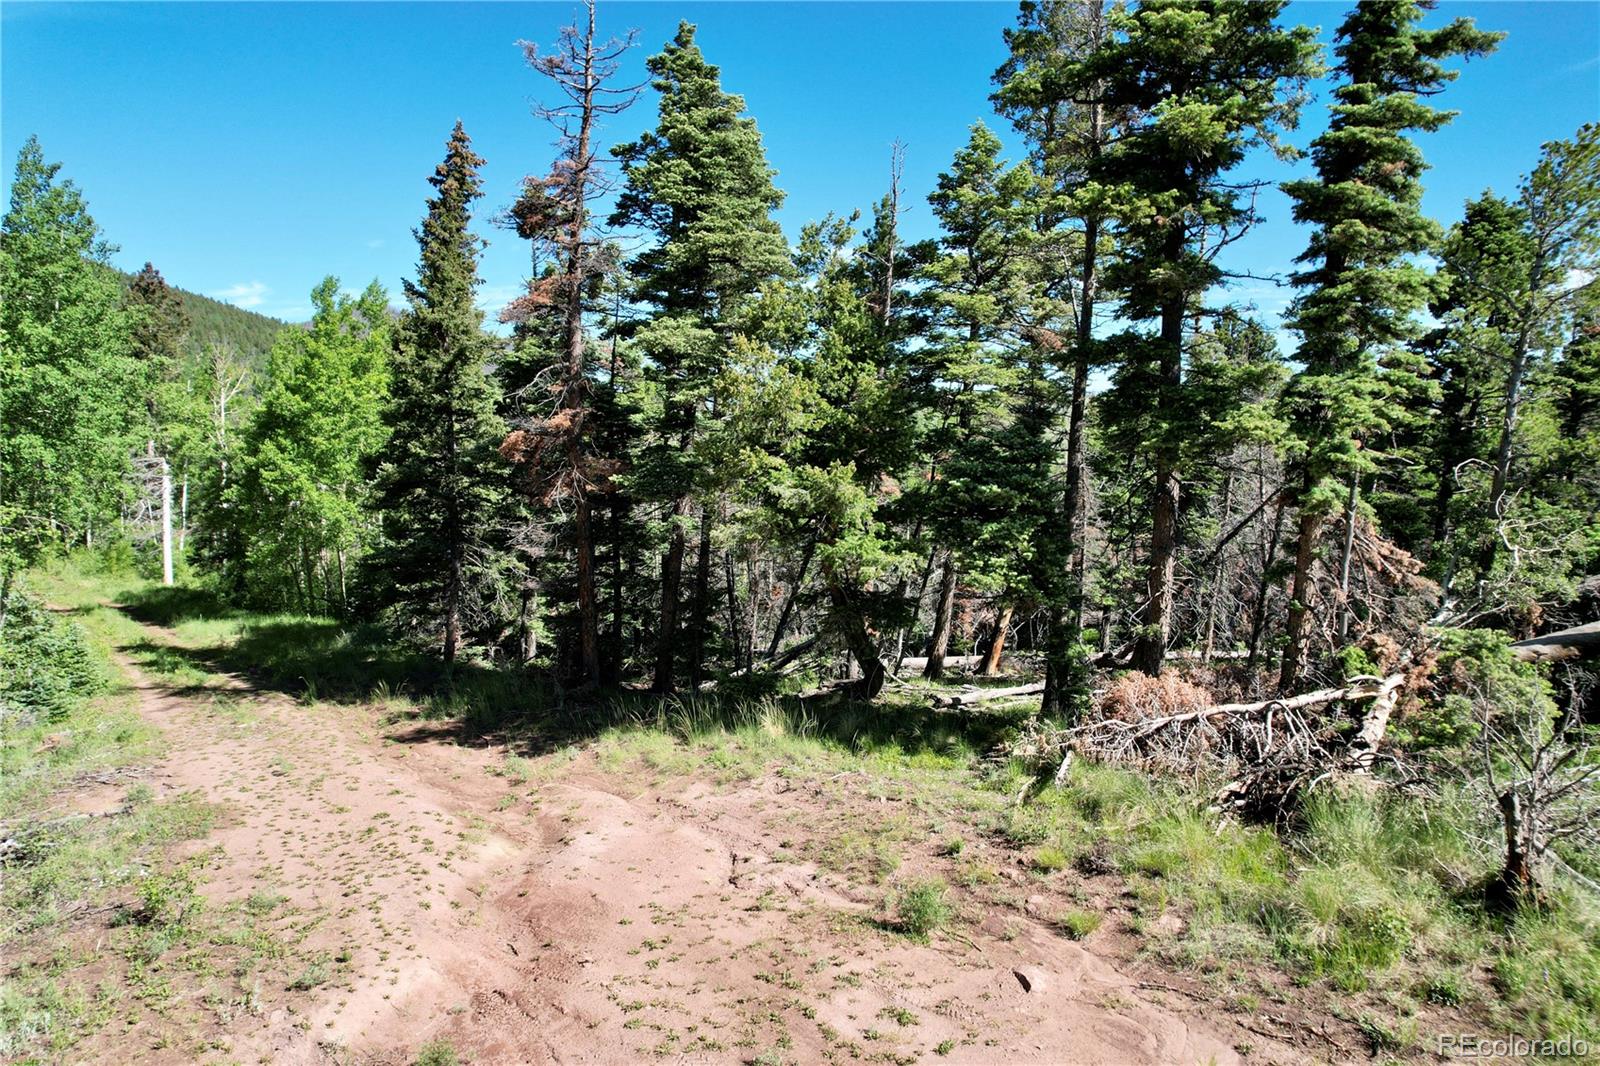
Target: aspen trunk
{"type": "Point", "coordinates": [166, 523]}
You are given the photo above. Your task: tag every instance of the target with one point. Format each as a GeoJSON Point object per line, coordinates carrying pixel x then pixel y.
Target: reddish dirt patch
{"type": "Point", "coordinates": [595, 919]}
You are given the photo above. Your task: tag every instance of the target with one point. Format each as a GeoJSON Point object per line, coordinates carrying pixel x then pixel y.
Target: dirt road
{"type": "Point", "coordinates": [569, 915]}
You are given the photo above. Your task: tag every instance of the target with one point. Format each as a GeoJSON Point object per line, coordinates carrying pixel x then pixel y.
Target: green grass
{"type": "Point", "coordinates": [1076, 925]}
{"type": "Point", "coordinates": [437, 1053]}
{"type": "Point", "coordinates": [920, 908]}
{"type": "Point", "coordinates": [1369, 894]}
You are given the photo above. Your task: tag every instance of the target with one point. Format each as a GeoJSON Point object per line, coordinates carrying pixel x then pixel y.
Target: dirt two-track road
{"type": "Point", "coordinates": [571, 913]}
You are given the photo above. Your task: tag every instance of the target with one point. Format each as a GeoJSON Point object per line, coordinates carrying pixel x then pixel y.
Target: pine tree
{"type": "Point", "coordinates": [1523, 274]}
{"type": "Point", "coordinates": [819, 427]}
{"type": "Point", "coordinates": [440, 481]}
{"type": "Point", "coordinates": [1204, 82]}
{"type": "Point", "coordinates": [1068, 127]}
{"type": "Point", "coordinates": [556, 447]}
{"type": "Point", "coordinates": [977, 285]}
{"type": "Point", "coordinates": [700, 186]}
{"type": "Point", "coordinates": [68, 377]}
{"type": "Point", "coordinates": [1362, 286]}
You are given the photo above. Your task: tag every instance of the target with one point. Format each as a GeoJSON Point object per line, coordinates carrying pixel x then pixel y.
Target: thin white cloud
{"type": "Point", "coordinates": [376, 243]}
{"type": "Point", "coordinates": [245, 294]}
{"type": "Point", "coordinates": [493, 297]}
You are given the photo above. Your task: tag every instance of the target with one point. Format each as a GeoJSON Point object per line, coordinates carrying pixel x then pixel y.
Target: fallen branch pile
{"type": "Point", "coordinates": [1269, 751]}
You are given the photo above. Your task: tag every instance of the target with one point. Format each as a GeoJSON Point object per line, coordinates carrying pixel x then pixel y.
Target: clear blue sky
{"type": "Point", "coordinates": [250, 149]}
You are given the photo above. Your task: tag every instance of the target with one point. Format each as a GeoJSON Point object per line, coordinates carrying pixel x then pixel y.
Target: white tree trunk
{"type": "Point", "coordinates": [166, 523]}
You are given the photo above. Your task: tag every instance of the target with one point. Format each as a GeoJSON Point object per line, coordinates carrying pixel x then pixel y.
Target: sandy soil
{"type": "Point", "coordinates": [593, 918]}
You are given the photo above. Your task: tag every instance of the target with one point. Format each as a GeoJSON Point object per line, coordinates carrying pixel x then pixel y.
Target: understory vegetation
{"type": "Point", "coordinates": [1370, 903]}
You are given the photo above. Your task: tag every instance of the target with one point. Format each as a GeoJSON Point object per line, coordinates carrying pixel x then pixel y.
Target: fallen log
{"type": "Point", "coordinates": [917, 663]}
{"type": "Point", "coordinates": [968, 697]}
{"type": "Point", "coordinates": [1579, 642]}
{"type": "Point", "coordinates": [1363, 747]}
{"type": "Point", "coordinates": [1364, 687]}
{"type": "Point", "coordinates": [781, 666]}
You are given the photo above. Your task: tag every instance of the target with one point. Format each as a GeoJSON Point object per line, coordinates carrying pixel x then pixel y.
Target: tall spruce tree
{"type": "Point", "coordinates": [700, 186]}
{"type": "Point", "coordinates": [1068, 126]}
{"type": "Point", "coordinates": [1362, 286]}
{"type": "Point", "coordinates": [978, 286]}
{"type": "Point", "coordinates": [441, 482]}
{"type": "Point", "coordinates": [555, 446]}
{"type": "Point", "coordinates": [1204, 82]}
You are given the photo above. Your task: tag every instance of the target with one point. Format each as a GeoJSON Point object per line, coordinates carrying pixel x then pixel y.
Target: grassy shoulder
{"type": "Point", "coordinates": [105, 928]}
{"type": "Point", "coordinates": [1369, 908]}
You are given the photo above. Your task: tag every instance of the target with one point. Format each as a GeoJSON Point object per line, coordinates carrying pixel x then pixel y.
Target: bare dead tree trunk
{"type": "Point", "coordinates": [942, 618]}
{"type": "Point", "coordinates": [997, 641]}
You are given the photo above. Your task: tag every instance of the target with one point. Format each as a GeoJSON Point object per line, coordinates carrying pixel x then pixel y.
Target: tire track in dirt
{"type": "Point", "coordinates": [591, 923]}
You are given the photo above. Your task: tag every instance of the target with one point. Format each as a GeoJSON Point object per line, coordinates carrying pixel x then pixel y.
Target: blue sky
{"type": "Point", "coordinates": [250, 149]}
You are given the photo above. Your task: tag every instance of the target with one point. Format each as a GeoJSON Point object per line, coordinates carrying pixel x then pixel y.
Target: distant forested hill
{"type": "Point", "coordinates": [212, 321]}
